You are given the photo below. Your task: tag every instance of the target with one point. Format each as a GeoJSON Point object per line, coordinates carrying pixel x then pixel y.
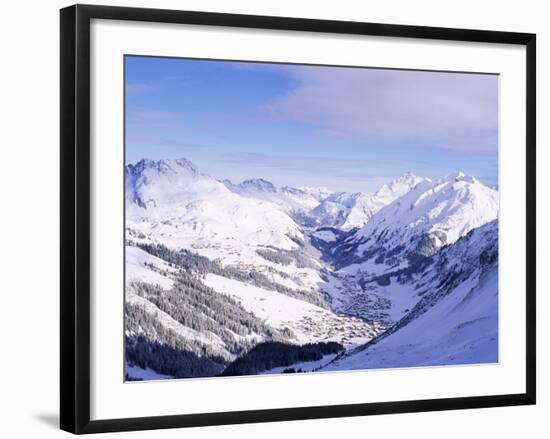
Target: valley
{"type": "Point", "coordinates": [216, 269]}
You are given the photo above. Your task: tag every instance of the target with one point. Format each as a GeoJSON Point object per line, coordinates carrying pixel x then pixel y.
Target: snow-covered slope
{"type": "Point", "coordinates": [294, 200]}
{"type": "Point", "coordinates": [347, 211]}
{"type": "Point", "coordinates": [377, 265]}
{"type": "Point", "coordinates": [429, 216]}
{"type": "Point", "coordinates": [333, 210]}
{"type": "Point", "coordinates": [143, 267]}
{"type": "Point", "coordinates": [170, 202]}
{"type": "Point", "coordinates": [187, 232]}
{"type": "Point", "coordinates": [314, 207]}
{"type": "Point", "coordinates": [307, 323]}
{"type": "Point", "coordinates": [367, 205]}
{"type": "Point", "coordinates": [456, 318]}
{"type": "Point", "coordinates": [215, 268]}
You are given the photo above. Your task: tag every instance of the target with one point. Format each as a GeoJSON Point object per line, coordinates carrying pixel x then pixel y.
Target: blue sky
{"type": "Point", "coordinates": [347, 129]}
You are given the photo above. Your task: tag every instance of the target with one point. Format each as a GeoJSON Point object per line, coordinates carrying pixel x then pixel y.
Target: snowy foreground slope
{"type": "Point", "coordinates": [253, 278]}
{"type": "Point", "coordinates": [461, 329]}
{"type": "Point", "coordinates": [455, 321]}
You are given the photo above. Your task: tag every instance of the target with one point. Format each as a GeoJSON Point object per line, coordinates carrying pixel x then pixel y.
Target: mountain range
{"type": "Point", "coordinates": [253, 278]}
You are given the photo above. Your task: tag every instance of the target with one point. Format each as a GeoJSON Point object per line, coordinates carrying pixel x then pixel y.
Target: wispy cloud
{"type": "Point", "coordinates": [312, 163]}
{"type": "Point", "coordinates": [138, 88]}
{"type": "Point", "coordinates": [336, 173]}
{"type": "Point", "coordinates": [140, 114]}
{"type": "Point", "coordinates": [153, 141]}
{"type": "Point", "coordinates": [152, 119]}
{"type": "Point", "coordinates": [440, 110]}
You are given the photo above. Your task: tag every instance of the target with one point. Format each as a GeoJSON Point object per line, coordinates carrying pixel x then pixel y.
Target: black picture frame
{"type": "Point", "coordinates": [75, 217]}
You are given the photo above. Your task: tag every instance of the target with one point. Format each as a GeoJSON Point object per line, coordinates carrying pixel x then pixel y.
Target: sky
{"type": "Point", "coordinates": [345, 128]}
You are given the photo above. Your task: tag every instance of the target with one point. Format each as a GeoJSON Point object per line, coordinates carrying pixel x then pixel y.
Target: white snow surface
{"type": "Point", "coordinates": [136, 270]}
{"type": "Point", "coordinates": [366, 205]}
{"type": "Point", "coordinates": [357, 289]}
{"type": "Point", "coordinates": [460, 329]}
{"type": "Point", "coordinates": [347, 211]}
{"type": "Point", "coordinates": [290, 199]}
{"type": "Point", "coordinates": [444, 211]}
{"type": "Point", "coordinates": [333, 210]}
{"type": "Point", "coordinates": [186, 333]}
{"type": "Point", "coordinates": [325, 235]}
{"type": "Point", "coordinates": [308, 322]}
{"type": "Point", "coordinates": [273, 307]}
{"type": "Point", "coordinates": [145, 374]}
{"type": "Point", "coordinates": [170, 202]}
{"type": "Point", "coordinates": [455, 318]}
{"type": "Point", "coordinates": [320, 206]}
{"type": "Point", "coordinates": [306, 366]}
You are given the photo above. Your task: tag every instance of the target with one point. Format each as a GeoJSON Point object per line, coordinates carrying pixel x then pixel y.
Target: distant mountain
{"type": "Point", "coordinates": [333, 210]}
{"type": "Point", "coordinates": [319, 207]}
{"type": "Point", "coordinates": [366, 205]}
{"type": "Point", "coordinates": [347, 211]}
{"type": "Point", "coordinates": [429, 216]}
{"type": "Point", "coordinates": [293, 200]}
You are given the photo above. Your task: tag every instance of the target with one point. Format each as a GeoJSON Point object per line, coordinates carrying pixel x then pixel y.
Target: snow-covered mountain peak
{"type": "Point", "coordinates": [151, 184]}
{"type": "Point", "coordinates": [364, 206]}
{"type": "Point", "coordinates": [317, 192]}
{"type": "Point", "coordinates": [426, 218]}
{"type": "Point", "coordinates": [315, 189]}
{"type": "Point", "coordinates": [256, 256]}
{"type": "Point", "coordinates": [176, 172]}
{"type": "Point", "coordinates": [163, 166]}
{"type": "Point", "coordinates": [320, 207]}
{"type": "Point", "coordinates": [258, 184]}
{"type": "Point", "coordinates": [184, 164]}
{"type": "Point", "coordinates": [398, 187]}
{"type": "Point", "coordinates": [170, 202]}
{"type": "Point", "coordinates": [144, 163]}
{"type": "Point", "coordinates": [408, 177]}
{"type": "Point", "coordinates": [458, 176]}
{"type": "Point", "coordinates": [295, 201]}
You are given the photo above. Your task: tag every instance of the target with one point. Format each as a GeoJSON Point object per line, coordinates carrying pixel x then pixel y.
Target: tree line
{"type": "Point", "coordinates": [269, 355]}
{"type": "Point", "coordinates": [190, 262]}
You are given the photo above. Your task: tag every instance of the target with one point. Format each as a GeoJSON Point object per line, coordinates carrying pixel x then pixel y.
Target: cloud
{"type": "Point", "coordinates": [138, 88]}
{"type": "Point", "coordinates": [337, 166]}
{"type": "Point", "coordinates": [140, 114]}
{"type": "Point", "coordinates": [142, 118]}
{"type": "Point", "coordinates": [394, 107]}
{"type": "Point", "coordinates": [336, 173]}
{"type": "Point", "coordinates": [154, 141]}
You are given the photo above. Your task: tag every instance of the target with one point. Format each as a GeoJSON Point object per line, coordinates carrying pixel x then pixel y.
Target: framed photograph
{"type": "Point", "coordinates": [268, 218]}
